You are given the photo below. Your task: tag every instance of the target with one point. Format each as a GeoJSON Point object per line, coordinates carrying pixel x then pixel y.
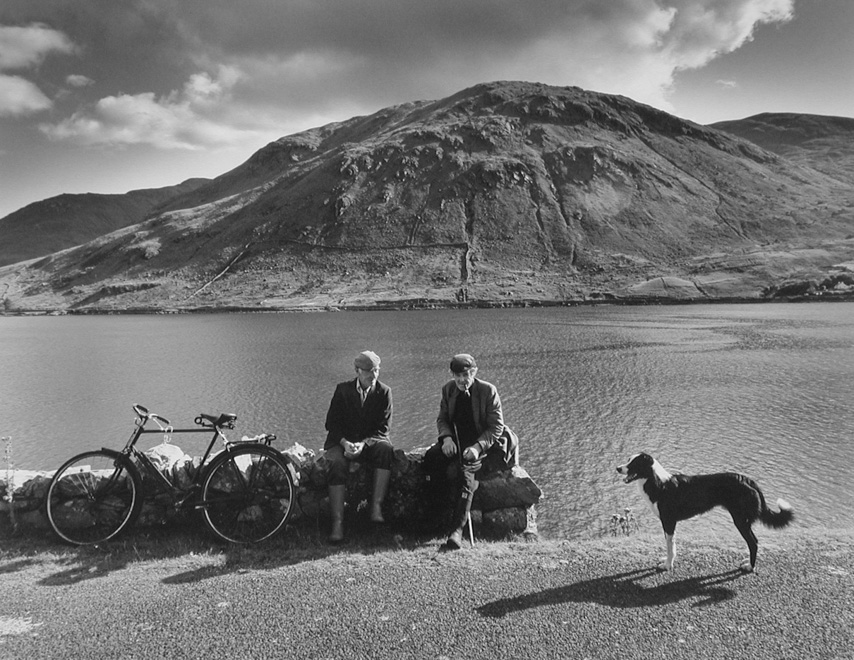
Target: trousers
{"type": "Point", "coordinates": [378, 455]}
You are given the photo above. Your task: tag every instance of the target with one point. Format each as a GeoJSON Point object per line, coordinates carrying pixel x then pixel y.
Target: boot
{"type": "Point", "coordinates": [461, 517]}
{"type": "Point", "coordinates": [381, 478]}
{"type": "Point", "coordinates": [337, 495]}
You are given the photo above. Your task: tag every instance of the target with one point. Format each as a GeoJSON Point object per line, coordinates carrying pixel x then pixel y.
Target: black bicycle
{"type": "Point", "coordinates": [245, 491]}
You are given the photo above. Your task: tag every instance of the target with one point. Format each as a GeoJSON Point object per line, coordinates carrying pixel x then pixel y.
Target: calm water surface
{"type": "Point", "coordinates": [762, 389]}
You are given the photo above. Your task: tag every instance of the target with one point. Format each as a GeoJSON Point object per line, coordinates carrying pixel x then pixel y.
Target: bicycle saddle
{"type": "Point", "coordinates": [224, 419]}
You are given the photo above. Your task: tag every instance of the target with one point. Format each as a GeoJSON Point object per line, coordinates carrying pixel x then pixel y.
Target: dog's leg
{"type": "Point", "coordinates": [744, 527]}
{"type": "Point", "coordinates": [669, 532]}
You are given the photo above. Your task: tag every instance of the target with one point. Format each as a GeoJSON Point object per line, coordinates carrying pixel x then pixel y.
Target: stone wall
{"type": "Point", "coordinates": [504, 504]}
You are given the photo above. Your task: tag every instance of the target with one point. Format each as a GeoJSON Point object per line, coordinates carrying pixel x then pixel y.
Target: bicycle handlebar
{"type": "Point", "coordinates": [223, 420]}
{"type": "Point", "coordinates": [144, 415]}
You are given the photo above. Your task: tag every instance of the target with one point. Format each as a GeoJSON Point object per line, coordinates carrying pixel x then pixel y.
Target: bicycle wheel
{"type": "Point", "coordinates": [93, 497]}
{"type": "Point", "coordinates": [247, 494]}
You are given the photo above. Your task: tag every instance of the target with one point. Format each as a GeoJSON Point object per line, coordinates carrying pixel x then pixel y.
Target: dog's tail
{"type": "Point", "coordinates": [776, 519]}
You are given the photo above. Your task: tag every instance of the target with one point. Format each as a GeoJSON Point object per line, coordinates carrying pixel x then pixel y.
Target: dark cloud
{"type": "Point", "coordinates": [299, 61]}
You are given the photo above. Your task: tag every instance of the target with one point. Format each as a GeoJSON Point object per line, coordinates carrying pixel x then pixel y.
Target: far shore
{"type": "Point", "coordinates": [425, 304]}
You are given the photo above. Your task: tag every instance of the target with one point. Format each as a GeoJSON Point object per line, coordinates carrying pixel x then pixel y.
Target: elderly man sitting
{"type": "Point", "coordinates": [358, 423]}
{"type": "Point", "coordinates": [471, 433]}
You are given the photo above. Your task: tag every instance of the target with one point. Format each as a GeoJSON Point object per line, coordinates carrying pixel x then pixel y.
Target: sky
{"type": "Point", "coordinates": [108, 96]}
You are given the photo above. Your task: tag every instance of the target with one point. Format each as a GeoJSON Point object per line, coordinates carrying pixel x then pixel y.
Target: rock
{"type": "Point", "coordinates": [507, 489]}
{"type": "Point", "coordinates": [504, 504]}
{"type": "Point", "coordinates": [666, 287]}
{"type": "Point", "coordinates": [795, 288]}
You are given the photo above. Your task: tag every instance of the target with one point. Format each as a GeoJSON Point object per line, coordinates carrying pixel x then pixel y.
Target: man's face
{"type": "Point", "coordinates": [464, 379]}
{"type": "Point", "coordinates": [367, 377]}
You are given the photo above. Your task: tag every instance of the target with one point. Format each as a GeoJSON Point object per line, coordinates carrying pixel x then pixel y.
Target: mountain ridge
{"type": "Point", "coordinates": [825, 143]}
{"type": "Point", "coordinates": [504, 193]}
{"type": "Point", "coordinates": [67, 220]}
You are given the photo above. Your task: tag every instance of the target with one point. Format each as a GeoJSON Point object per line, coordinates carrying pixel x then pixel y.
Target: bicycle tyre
{"type": "Point", "coordinates": [93, 497]}
{"type": "Point", "coordinates": [247, 494]}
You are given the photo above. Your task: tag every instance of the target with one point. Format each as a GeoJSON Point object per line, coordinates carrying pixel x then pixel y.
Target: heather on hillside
{"type": "Point", "coordinates": [505, 193]}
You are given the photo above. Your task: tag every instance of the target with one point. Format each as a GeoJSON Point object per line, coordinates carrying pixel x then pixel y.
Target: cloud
{"type": "Point", "coordinates": [185, 119]}
{"type": "Point", "coordinates": [303, 62]}
{"type": "Point", "coordinates": [20, 97]}
{"type": "Point", "coordinates": [24, 48]}
{"type": "Point", "coordinates": [77, 80]}
{"type": "Point", "coordinates": [376, 52]}
{"type": "Point", "coordinates": [703, 30]}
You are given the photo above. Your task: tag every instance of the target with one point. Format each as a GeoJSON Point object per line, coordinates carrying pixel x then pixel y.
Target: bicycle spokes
{"type": "Point", "coordinates": [247, 495]}
{"type": "Point", "coordinates": [92, 498]}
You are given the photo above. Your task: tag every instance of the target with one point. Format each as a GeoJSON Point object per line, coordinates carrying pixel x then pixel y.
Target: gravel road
{"type": "Point", "coordinates": [553, 599]}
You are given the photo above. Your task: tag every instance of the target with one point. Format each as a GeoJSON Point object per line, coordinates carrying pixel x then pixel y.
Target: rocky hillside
{"type": "Point", "coordinates": [68, 220]}
{"type": "Point", "coordinates": [823, 143]}
{"type": "Point", "coordinates": [505, 193]}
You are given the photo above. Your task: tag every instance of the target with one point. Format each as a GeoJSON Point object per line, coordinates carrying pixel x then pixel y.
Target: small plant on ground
{"type": "Point", "coordinates": [623, 524]}
{"type": "Point", "coordinates": [10, 487]}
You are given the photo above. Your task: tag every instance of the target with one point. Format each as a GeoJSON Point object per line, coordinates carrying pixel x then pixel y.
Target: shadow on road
{"type": "Point", "coordinates": [623, 590]}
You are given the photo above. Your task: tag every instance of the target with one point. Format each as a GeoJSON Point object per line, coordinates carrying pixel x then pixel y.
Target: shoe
{"type": "Point", "coordinates": [336, 537]}
{"type": "Point", "coordinates": [455, 540]}
{"type": "Point", "coordinates": [377, 515]}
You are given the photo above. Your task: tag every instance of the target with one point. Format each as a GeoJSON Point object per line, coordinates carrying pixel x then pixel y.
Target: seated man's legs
{"type": "Point", "coordinates": [442, 478]}
{"type": "Point", "coordinates": [463, 506]}
{"type": "Point", "coordinates": [379, 455]}
{"type": "Point", "coordinates": [339, 466]}
{"type": "Point", "coordinates": [451, 484]}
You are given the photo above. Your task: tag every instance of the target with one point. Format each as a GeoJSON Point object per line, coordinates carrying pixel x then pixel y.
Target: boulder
{"type": "Point", "coordinates": [504, 504]}
{"type": "Point", "coordinates": [503, 507]}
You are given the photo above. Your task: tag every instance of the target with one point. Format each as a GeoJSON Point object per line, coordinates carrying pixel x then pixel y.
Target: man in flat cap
{"type": "Point", "coordinates": [358, 424]}
{"type": "Point", "coordinates": [471, 433]}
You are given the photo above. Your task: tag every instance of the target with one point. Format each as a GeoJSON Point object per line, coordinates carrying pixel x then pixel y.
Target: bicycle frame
{"type": "Point", "coordinates": [244, 492]}
{"type": "Point", "coordinates": [207, 424]}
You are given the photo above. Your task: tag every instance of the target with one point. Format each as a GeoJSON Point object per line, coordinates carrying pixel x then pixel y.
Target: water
{"type": "Point", "coordinates": [761, 389]}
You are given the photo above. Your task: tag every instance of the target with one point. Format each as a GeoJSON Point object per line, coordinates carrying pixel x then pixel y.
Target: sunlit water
{"type": "Point", "coordinates": [761, 389]}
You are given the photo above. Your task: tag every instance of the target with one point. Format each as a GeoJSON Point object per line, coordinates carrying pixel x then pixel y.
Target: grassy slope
{"type": "Point", "coordinates": [393, 597]}
{"type": "Point", "coordinates": [506, 193]}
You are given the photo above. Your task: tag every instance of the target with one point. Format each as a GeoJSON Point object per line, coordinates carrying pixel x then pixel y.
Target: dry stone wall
{"type": "Point", "coordinates": [504, 504]}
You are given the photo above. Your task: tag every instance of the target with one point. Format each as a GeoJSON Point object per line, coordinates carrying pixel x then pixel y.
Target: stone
{"type": "Point", "coordinates": [503, 506]}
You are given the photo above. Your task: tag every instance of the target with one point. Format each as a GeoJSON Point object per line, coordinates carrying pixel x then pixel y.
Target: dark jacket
{"type": "Point", "coordinates": [348, 418]}
{"type": "Point", "coordinates": [488, 419]}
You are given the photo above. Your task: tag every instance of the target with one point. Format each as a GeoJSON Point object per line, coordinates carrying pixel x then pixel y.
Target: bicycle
{"type": "Point", "coordinates": [245, 492]}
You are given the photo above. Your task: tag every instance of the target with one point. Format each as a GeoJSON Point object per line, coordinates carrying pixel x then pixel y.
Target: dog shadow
{"type": "Point", "coordinates": [624, 590]}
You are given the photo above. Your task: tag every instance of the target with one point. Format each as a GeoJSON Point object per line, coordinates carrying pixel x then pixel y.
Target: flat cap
{"type": "Point", "coordinates": [461, 362]}
{"type": "Point", "coordinates": [367, 360]}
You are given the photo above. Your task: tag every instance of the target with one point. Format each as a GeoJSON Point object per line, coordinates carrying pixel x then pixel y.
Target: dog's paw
{"type": "Point", "coordinates": [746, 566]}
{"type": "Point", "coordinates": [664, 565]}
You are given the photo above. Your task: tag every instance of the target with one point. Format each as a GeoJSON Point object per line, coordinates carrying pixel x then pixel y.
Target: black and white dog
{"type": "Point", "coordinates": [675, 497]}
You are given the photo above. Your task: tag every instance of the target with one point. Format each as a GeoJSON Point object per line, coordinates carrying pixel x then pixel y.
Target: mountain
{"type": "Point", "coordinates": [823, 143]}
{"type": "Point", "coordinates": [67, 220]}
{"type": "Point", "coordinates": [504, 193]}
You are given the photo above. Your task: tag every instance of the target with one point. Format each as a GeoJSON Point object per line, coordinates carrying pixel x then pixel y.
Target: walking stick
{"type": "Point", "coordinates": [460, 455]}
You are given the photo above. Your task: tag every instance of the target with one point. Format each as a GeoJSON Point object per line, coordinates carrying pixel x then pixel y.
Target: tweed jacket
{"type": "Point", "coordinates": [488, 418]}
{"type": "Point", "coordinates": [348, 418]}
